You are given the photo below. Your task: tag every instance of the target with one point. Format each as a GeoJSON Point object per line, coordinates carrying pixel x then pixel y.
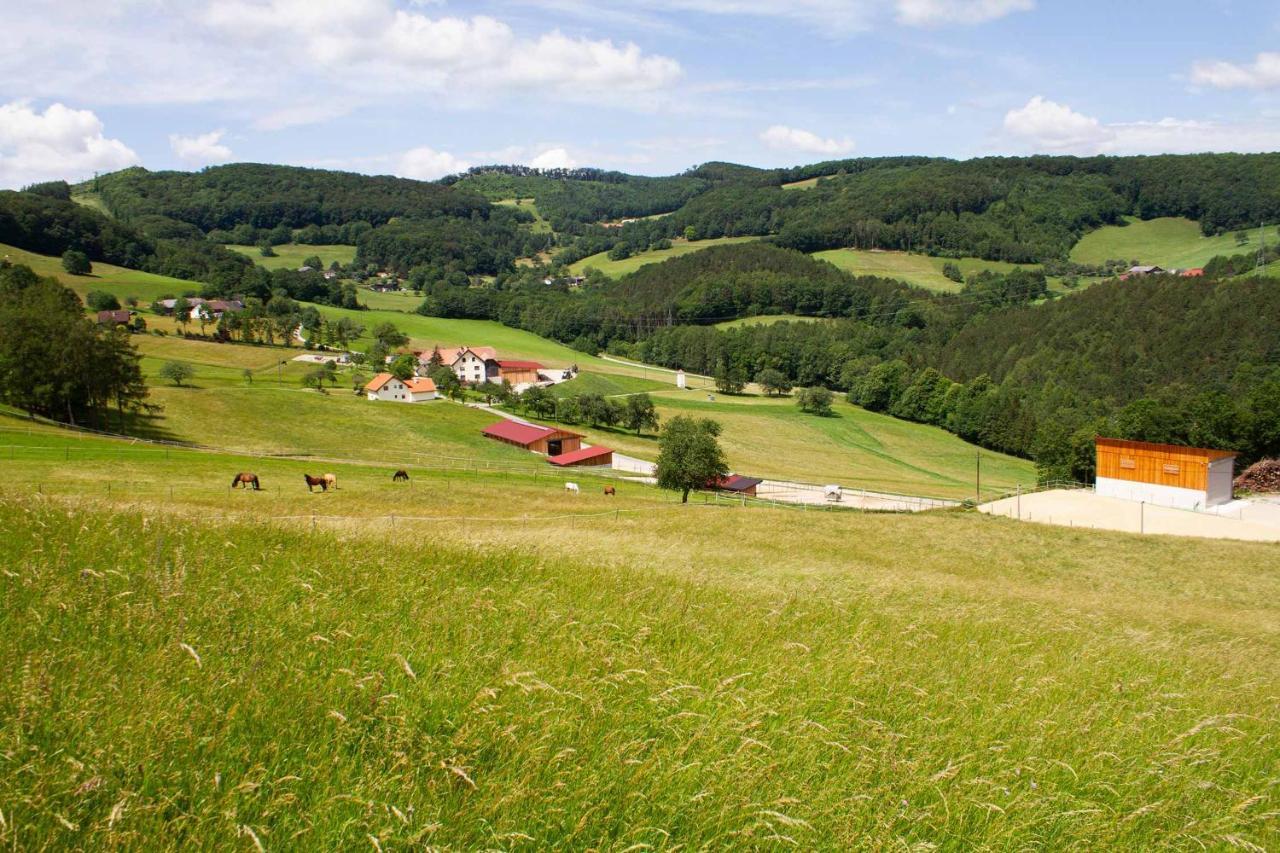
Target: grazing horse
{"type": "Point", "coordinates": [571, 487]}
{"type": "Point", "coordinates": [244, 480]}
{"type": "Point", "coordinates": [316, 481]}
{"type": "Point", "coordinates": [400, 476]}
{"type": "Point", "coordinates": [610, 490]}
{"type": "Point", "coordinates": [331, 481]}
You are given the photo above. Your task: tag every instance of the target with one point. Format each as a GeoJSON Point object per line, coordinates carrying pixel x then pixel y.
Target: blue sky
{"type": "Point", "coordinates": [422, 88]}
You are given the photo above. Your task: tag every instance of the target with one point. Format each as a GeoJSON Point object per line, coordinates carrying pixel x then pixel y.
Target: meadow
{"type": "Point", "coordinates": [292, 255]}
{"type": "Point", "coordinates": [540, 225]}
{"type": "Point", "coordinates": [921, 270]}
{"type": "Point", "coordinates": [765, 320]}
{"type": "Point", "coordinates": [679, 246]}
{"type": "Point", "coordinates": [478, 660]}
{"type": "Point", "coordinates": [118, 280]}
{"type": "Point", "coordinates": [770, 437]}
{"type": "Point", "coordinates": [1170, 242]}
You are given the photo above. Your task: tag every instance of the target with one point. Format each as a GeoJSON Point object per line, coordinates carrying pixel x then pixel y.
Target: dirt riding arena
{"type": "Point", "coordinates": [1256, 519]}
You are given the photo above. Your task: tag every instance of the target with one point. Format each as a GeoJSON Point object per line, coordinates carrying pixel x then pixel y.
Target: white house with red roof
{"type": "Point", "coordinates": [385, 386]}
{"type": "Point", "coordinates": [472, 365]}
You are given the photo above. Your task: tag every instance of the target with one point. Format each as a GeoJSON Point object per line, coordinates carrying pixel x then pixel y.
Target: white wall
{"type": "Point", "coordinates": [1171, 496]}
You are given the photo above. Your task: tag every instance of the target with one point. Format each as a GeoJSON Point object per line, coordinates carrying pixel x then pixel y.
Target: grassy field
{"type": "Point", "coordinates": [615, 269]}
{"type": "Point", "coordinates": [770, 437]}
{"type": "Point", "coordinates": [437, 665]}
{"type": "Point", "coordinates": [540, 225]}
{"type": "Point", "coordinates": [118, 280]}
{"type": "Point", "coordinates": [806, 184]}
{"type": "Point", "coordinates": [920, 270]}
{"type": "Point", "coordinates": [291, 255]}
{"type": "Point", "coordinates": [1170, 242]}
{"type": "Point", "coordinates": [399, 300]}
{"type": "Point", "coordinates": [765, 320]}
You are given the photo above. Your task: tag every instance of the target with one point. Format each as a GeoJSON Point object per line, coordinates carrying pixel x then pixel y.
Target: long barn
{"type": "Point", "coordinates": [1164, 474]}
{"type": "Point", "coordinates": [538, 439]}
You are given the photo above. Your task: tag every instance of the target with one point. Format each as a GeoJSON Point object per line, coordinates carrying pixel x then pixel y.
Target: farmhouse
{"type": "Point", "coordinates": [115, 318]}
{"type": "Point", "coordinates": [586, 456]}
{"type": "Point", "coordinates": [519, 372]}
{"type": "Point", "coordinates": [165, 306]}
{"type": "Point", "coordinates": [384, 386]}
{"type": "Point", "coordinates": [534, 438]}
{"type": "Point", "coordinates": [213, 309]}
{"type": "Point", "coordinates": [472, 365]}
{"type": "Point", "coordinates": [1164, 474]}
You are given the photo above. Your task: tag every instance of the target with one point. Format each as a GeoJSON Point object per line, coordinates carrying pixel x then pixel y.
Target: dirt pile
{"type": "Point", "coordinates": [1263, 476]}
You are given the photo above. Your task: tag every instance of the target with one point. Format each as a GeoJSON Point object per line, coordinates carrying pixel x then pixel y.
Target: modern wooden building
{"type": "Point", "coordinates": [538, 439]}
{"type": "Point", "coordinates": [1164, 474]}
{"type": "Point", "coordinates": [586, 457]}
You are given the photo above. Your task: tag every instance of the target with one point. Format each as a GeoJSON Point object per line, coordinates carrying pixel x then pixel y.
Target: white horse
{"type": "Point", "coordinates": [571, 487]}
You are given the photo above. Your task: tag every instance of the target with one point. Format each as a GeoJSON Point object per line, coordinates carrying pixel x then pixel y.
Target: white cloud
{"type": "Point", "coordinates": [427, 164]}
{"type": "Point", "coordinates": [785, 138]}
{"type": "Point", "coordinates": [59, 143]}
{"type": "Point", "coordinates": [934, 13]}
{"type": "Point", "coordinates": [200, 150]}
{"type": "Point", "coordinates": [1262, 73]}
{"type": "Point", "coordinates": [830, 16]}
{"type": "Point", "coordinates": [1051, 126]}
{"type": "Point", "coordinates": [553, 158]}
{"type": "Point", "coordinates": [1046, 126]}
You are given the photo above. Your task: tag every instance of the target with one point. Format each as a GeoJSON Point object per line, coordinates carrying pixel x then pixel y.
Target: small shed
{"type": "Point", "coordinates": [586, 456]}
{"type": "Point", "coordinates": [737, 484]}
{"type": "Point", "coordinates": [1164, 474]}
{"type": "Point", "coordinates": [519, 372]}
{"type": "Point", "coordinates": [120, 317]}
{"type": "Point", "coordinates": [535, 438]}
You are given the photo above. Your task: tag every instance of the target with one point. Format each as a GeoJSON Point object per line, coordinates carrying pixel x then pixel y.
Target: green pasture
{"type": "Point", "coordinates": [616, 269]}
{"type": "Point", "coordinates": [1169, 242]}
{"type": "Point", "coordinates": [291, 255]}
{"type": "Point", "coordinates": [118, 280]}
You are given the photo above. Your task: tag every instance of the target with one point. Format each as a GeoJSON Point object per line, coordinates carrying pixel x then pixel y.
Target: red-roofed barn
{"type": "Point", "coordinates": [586, 456]}
{"type": "Point", "coordinates": [538, 439]}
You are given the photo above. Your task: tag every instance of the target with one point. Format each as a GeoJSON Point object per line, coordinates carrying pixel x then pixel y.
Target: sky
{"type": "Point", "coordinates": [425, 88]}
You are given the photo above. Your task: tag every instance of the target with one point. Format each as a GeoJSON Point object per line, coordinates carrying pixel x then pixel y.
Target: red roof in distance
{"type": "Point", "coordinates": [517, 432]}
{"type": "Point", "coordinates": [582, 455]}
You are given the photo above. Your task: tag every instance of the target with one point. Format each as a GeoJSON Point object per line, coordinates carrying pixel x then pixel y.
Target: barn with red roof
{"type": "Point", "coordinates": [534, 438]}
{"type": "Point", "coordinates": [584, 457]}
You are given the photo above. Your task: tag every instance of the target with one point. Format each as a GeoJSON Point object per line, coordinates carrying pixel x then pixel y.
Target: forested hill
{"type": "Point", "coordinates": [264, 196]}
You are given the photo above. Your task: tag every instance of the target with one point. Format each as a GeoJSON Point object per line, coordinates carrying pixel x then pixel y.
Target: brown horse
{"type": "Point", "coordinates": [610, 490]}
{"type": "Point", "coordinates": [316, 481]}
{"type": "Point", "coordinates": [244, 480]}
{"type": "Point", "coordinates": [401, 476]}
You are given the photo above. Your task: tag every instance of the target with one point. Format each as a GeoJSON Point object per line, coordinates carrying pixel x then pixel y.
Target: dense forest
{"type": "Point", "coordinates": [1030, 209]}
{"type": "Point", "coordinates": [1000, 363]}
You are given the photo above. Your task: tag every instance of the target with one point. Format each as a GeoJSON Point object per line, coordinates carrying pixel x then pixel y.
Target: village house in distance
{"type": "Point", "coordinates": [474, 365]}
{"type": "Point", "coordinates": [418, 389]}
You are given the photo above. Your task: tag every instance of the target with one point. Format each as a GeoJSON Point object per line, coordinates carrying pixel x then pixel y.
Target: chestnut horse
{"type": "Point", "coordinates": [610, 490]}
{"type": "Point", "coordinates": [244, 480]}
{"type": "Point", "coordinates": [316, 481]}
{"type": "Point", "coordinates": [400, 476]}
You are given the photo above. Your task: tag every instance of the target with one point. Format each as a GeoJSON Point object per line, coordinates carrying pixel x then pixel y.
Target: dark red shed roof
{"type": "Point", "coordinates": [735, 483]}
{"type": "Point", "coordinates": [519, 365]}
{"type": "Point", "coordinates": [517, 432]}
{"type": "Point", "coordinates": [577, 456]}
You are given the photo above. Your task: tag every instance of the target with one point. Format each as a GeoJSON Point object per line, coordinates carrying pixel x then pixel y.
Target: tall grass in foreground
{"type": "Point", "coordinates": [165, 684]}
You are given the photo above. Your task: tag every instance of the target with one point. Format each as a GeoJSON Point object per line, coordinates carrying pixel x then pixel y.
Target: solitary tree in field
{"type": "Point", "coordinates": [639, 413]}
{"type": "Point", "coordinates": [689, 455]}
{"type": "Point", "coordinates": [730, 378]}
{"type": "Point", "coordinates": [815, 401]}
{"type": "Point", "coordinates": [389, 336]}
{"type": "Point", "coordinates": [76, 262]}
{"type": "Point", "coordinates": [101, 300]}
{"type": "Point", "coordinates": [177, 372]}
{"type": "Point", "coordinates": [773, 381]}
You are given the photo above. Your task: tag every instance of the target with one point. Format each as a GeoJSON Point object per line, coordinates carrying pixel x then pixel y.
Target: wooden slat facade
{"type": "Point", "coordinates": [1160, 464]}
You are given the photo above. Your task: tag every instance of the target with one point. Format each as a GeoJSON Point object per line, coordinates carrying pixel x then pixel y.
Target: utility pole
{"type": "Point", "coordinates": [977, 479]}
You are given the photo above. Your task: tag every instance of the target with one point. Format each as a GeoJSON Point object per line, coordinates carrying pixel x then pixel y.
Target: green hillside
{"type": "Point", "coordinates": [1170, 242]}
{"type": "Point", "coordinates": [479, 660]}
{"type": "Point", "coordinates": [291, 255]}
{"type": "Point", "coordinates": [920, 270]}
{"type": "Point", "coordinates": [118, 280]}
{"type": "Point", "coordinates": [679, 246]}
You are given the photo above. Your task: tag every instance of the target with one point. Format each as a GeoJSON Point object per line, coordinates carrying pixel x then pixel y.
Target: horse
{"type": "Point", "coordinates": [571, 487]}
{"type": "Point", "coordinates": [400, 476]}
{"type": "Point", "coordinates": [331, 481]}
{"type": "Point", "coordinates": [610, 490]}
{"type": "Point", "coordinates": [244, 480]}
{"type": "Point", "coordinates": [312, 482]}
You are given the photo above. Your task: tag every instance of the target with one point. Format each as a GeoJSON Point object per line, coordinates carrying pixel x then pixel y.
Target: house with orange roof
{"type": "Point", "coordinates": [385, 386]}
{"type": "Point", "coordinates": [472, 365]}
